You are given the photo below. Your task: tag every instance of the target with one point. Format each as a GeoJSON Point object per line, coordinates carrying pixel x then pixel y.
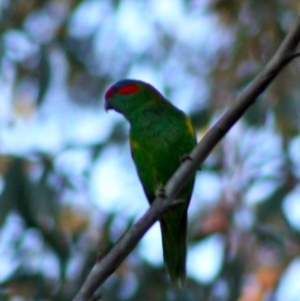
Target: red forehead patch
{"type": "Point", "coordinates": [128, 89]}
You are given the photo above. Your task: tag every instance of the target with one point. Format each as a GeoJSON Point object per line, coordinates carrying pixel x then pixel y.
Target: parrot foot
{"type": "Point", "coordinates": [100, 255]}
{"type": "Point", "coordinates": [188, 157]}
{"type": "Point", "coordinates": [161, 193]}
{"type": "Point", "coordinates": [185, 158]}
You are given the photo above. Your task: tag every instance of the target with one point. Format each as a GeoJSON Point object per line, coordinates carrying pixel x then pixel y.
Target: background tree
{"type": "Point", "coordinates": [60, 203]}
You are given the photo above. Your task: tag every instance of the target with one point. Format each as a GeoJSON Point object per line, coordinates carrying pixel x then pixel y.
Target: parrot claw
{"type": "Point", "coordinates": [185, 158]}
{"type": "Point", "coordinates": [100, 255]}
{"type": "Point", "coordinates": [161, 193]}
{"type": "Point", "coordinates": [188, 157]}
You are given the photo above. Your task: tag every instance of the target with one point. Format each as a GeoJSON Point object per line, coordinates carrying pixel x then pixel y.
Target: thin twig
{"type": "Point", "coordinates": [108, 264]}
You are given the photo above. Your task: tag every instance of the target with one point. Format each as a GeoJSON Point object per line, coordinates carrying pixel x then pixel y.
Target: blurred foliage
{"type": "Point", "coordinates": [54, 240]}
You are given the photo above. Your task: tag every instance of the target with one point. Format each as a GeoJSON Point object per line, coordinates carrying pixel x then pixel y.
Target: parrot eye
{"type": "Point", "coordinates": [128, 89]}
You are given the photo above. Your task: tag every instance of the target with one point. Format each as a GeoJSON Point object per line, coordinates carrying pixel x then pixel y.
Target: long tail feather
{"type": "Point", "coordinates": [173, 229]}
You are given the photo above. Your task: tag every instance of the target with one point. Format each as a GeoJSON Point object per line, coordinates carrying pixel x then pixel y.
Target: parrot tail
{"type": "Point", "coordinates": [174, 228]}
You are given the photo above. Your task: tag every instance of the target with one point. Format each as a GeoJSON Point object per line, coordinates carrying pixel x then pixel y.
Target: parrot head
{"type": "Point", "coordinates": [128, 95]}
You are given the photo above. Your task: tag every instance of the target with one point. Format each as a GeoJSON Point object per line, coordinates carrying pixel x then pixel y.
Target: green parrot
{"type": "Point", "coordinates": [161, 136]}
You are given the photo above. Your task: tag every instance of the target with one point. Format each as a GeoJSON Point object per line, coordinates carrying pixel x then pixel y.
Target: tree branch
{"type": "Point", "coordinates": [108, 264]}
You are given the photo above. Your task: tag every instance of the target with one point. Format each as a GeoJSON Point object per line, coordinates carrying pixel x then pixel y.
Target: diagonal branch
{"type": "Point", "coordinates": [108, 264]}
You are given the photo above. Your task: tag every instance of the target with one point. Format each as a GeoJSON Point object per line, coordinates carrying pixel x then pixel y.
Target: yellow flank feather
{"type": "Point", "coordinates": [134, 144]}
{"type": "Point", "coordinates": [189, 126]}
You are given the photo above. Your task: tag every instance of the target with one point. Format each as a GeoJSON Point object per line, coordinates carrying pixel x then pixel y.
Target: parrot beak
{"type": "Point", "coordinates": [107, 105]}
{"type": "Point", "coordinates": [109, 93]}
